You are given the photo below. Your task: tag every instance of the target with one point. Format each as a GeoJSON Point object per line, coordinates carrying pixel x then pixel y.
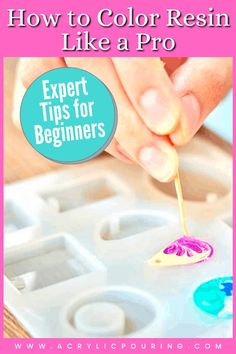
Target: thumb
{"type": "Point", "coordinates": [201, 83]}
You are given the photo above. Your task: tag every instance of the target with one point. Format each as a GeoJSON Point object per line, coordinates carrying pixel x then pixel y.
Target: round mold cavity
{"type": "Point", "coordinates": [201, 181]}
{"type": "Point", "coordinates": [125, 224]}
{"type": "Point", "coordinates": [100, 319]}
{"type": "Point", "coordinates": [135, 313]}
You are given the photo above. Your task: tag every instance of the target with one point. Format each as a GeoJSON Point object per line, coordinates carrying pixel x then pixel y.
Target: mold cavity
{"type": "Point", "coordinates": [130, 311]}
{"type": "Point", "coordinates": [79, 195]}
{"type": "Point", "coordinates": [200, 183]}
{"type": "Point", "coordinates": [15, 218]}
{"type": "Point", "coordinates": [100, 319]}
{"type": "Point", "coordinates": [45, 263]}
{"type": "Point", "coordinates": [120, 226]}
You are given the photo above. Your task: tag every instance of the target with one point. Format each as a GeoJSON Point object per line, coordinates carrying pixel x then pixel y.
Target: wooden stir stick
{"type": "Point", "coordinates": [179, 193]}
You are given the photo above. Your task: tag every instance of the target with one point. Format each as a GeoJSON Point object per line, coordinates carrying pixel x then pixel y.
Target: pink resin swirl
{"type": "Point", "coordinates": [188, 245]}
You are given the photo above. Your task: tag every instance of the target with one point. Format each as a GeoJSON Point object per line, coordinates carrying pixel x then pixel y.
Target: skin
{"type": "Point", "coordinates": [161, 103]}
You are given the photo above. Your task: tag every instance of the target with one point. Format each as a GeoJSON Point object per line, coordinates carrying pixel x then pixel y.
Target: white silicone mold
{"type": "Point", "coordinates": [78, 240]}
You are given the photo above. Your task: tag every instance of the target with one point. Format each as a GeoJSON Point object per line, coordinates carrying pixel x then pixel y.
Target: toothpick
{"type": "Point", "coordinates": [181, 204]}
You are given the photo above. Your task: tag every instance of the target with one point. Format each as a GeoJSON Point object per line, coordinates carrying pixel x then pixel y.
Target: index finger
{"type": "Point", "coordinates": [151, 92]}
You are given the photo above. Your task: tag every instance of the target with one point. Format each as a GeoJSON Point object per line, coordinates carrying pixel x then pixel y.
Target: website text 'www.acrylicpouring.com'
{"type": "Point", "coordinates": [92, 347]}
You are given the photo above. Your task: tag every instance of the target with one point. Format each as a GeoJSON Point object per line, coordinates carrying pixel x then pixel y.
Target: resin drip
{"type": "Point", "coordinates": [186, 249]}
{"type": "Point", "coordinates": [181, 204]}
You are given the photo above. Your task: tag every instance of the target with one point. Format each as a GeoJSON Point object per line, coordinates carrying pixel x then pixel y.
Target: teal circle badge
{"type": "Point", "coordinates": [68, 115]}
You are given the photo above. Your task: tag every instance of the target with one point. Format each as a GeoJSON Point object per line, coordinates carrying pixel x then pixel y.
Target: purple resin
{"type": "Point", "coordinates": [187, 245]}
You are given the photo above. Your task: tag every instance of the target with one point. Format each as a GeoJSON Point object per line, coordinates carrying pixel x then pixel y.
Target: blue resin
{"type": "Point", "coordinates": [215, 297]}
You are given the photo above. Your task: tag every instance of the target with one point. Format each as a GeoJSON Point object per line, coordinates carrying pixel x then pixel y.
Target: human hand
{"type": "Point", "coordinates": [159, 107]}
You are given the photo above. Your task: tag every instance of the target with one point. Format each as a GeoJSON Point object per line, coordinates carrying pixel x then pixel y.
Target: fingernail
{"type": "Point", "coordinates": [191, 109]}
{"type": "Point", "coordinates": [161, 112]}
{"type": "Point", "coordinates": [159, 164]}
